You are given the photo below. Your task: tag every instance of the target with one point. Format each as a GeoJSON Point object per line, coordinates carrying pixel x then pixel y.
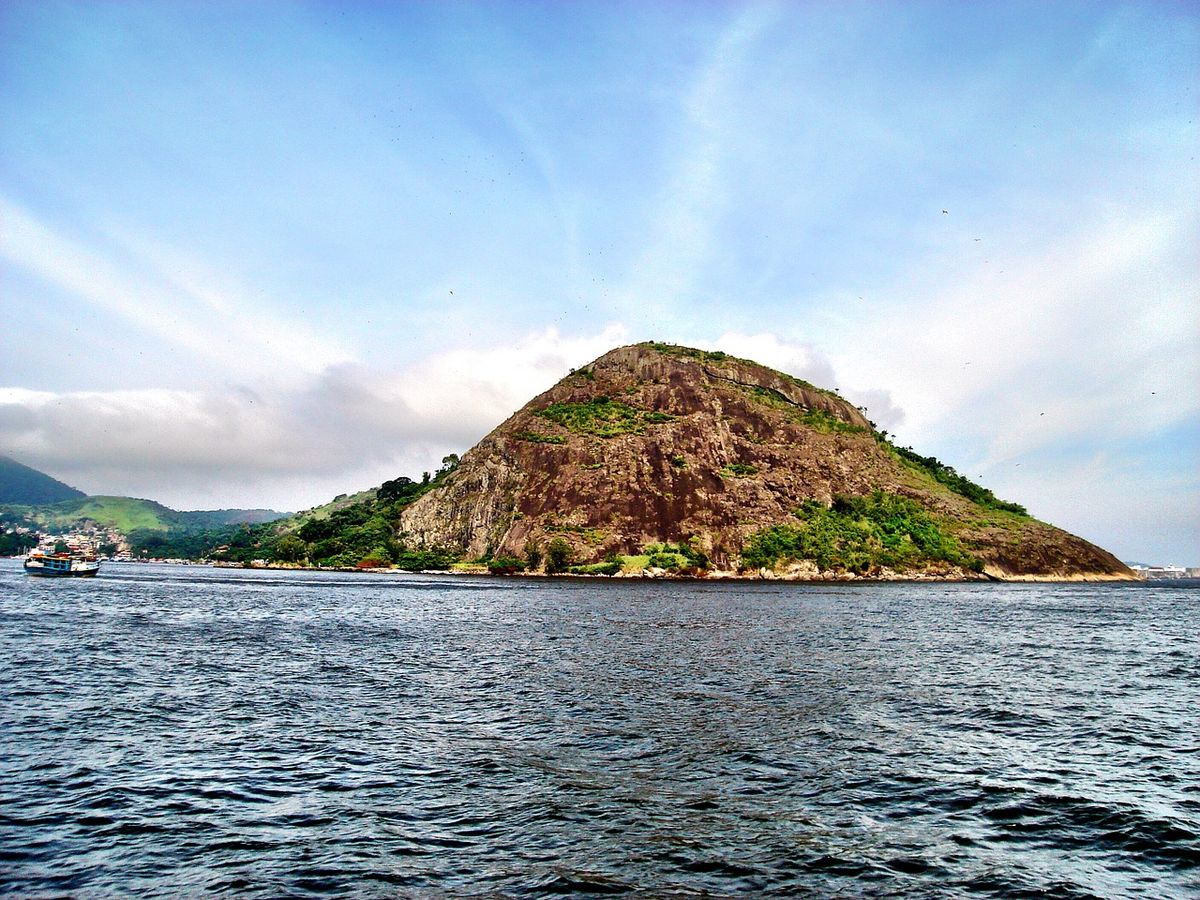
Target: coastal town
{"type": "Point", "coordinates": [96, 540]}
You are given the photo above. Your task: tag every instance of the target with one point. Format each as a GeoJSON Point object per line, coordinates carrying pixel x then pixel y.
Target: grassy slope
{"type": "Point", "coordinates": [122, 513]}
{"type": "Point", "coordinates": [325, 510]}
{"type": "Point", "coordinates": [127, 514]}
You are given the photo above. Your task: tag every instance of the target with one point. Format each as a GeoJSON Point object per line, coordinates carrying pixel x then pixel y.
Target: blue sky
{"type": "Point", "coordinates": [264, 253]}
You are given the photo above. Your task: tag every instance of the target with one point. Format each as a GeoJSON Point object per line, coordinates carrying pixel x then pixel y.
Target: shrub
{"type": "Point", "coordinates": [376, 559]}
{"type": "Point", "coordinates": [701, 355]}
{"type": "Point", "coordinates": [425, 558]}
{"type": "Point", "coordinates": [675, 556]}
{"type": "Point", "coordinates": [603, 417]}
{"type": "Point", "coordinates": [505, 565]}
{"type": "Point", "coordinates": [608, 567]}
{"type": "Point", "coordinates": [820, 420]}
{"type": "Point", "coordinates": [662, 559]}
{"type": "Point", "coordinates": [739, 470]}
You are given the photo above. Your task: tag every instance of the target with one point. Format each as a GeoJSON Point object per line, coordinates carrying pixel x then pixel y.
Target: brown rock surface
{"type": "Point", "coordinates": [717, 449]}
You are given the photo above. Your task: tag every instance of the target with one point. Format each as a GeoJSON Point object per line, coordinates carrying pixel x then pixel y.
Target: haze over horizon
{"type": "Point", "coordinates": [257, 255]}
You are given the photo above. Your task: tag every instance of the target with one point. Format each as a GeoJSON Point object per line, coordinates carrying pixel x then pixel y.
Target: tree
{"type": "Point", "coordinates": [317, 530]}
{"type": "Point", "coordinates": [12, 544]}
{"type": "Point", "coordinates": [396, 488]}
{"type": "Point", "coordinates": [533, 555]}
{"type": "Point", "coordinates": [558, 556]}
{"type": "Point", "coordinates": [291, 549]}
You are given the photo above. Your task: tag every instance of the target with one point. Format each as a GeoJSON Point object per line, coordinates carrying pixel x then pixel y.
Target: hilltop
{"type": "Point", "coordinates": [23, 485]}
{"type": "Point", "coordinates": [673, 457]}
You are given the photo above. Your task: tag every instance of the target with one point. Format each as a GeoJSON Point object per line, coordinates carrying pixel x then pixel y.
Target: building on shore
{"type": "Point", "coordinates": [1157, 573]}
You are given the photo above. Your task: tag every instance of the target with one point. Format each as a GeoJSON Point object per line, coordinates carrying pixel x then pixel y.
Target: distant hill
{"type": "Point", "coordinates": [214, 518]}
{"type": "Point", "coordinates": [21, 484]}
{"type": "Point", "coordinates": [129, 514]}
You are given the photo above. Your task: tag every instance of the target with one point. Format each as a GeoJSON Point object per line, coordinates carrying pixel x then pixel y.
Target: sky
{"type": "Point", "coordinates": [260, 254]}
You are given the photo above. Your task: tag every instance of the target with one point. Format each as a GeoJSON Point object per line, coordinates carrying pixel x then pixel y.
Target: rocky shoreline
{"type": "Point", "coordinates": [798, 573]}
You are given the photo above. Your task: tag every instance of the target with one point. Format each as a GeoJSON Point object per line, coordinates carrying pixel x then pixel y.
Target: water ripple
{"type": "Point", "coordinates": [170, 730]}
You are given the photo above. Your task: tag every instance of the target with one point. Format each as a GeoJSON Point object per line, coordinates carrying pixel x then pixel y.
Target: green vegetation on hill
{"type": "Point", "coordinates": [352, 531]}
{"type": "Point", "coordinates": [16, 544]}
{"type": "Point", "coordinates": [20, 485]}
{"type": "Point", "coordinates": [739, 470]}
{"type": "Point", "coordinates": [125, 514]}
{"type": "Point", "coordinates": [185, 544]}
{"type": "Point", "coordinates": [858, 534]}
{"type": "Point", "coordinates": [601, 416]}
{"type": "Point", "coordinates": [816, 419]}
{"type": "Point", "coordinates": [820, 420]}
{"type": "Point", "coordinates": [719, 356]}
{"type": "Point", "coordinates": [215, 518]}
{"type": "Point", "coordinates": [715, 356]}
{"type": "Point", "coordinates": [129, 516]}
{"type": "Point", "coordinates": [960, 484]}
{"type": "Point", "coordinates": [150, 528]}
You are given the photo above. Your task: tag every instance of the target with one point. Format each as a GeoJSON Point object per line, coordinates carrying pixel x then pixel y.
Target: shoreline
{"type": "Point", "coordinates": [723, 575]}
{"type": "Point", "coordinates": [803, 576]}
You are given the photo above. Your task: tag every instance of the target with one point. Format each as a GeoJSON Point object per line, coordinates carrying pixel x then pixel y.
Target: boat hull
{"type": "Point", "coordinates": [42, 573]}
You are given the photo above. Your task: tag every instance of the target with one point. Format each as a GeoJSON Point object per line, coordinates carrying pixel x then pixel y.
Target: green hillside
{"type": "Point", "coordinates": [125, 514]}
{"type": "Point", "coordinates": [131, 516]}
{"type": "Point", "coordinates": [22, 485]}
{"type": "Point", "coordinates": [216, 518]}
{"type": "Point", "coordinates": [343, 532]}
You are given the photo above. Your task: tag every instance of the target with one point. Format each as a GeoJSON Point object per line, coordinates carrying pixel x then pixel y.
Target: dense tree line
{"type": "Point", "coordinates": [13, 544]}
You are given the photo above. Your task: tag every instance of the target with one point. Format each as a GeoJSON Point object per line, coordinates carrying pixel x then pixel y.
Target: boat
{"type": "Point", "coordinates": [61, 565]}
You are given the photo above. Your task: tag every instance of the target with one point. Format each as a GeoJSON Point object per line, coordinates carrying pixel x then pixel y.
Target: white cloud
{"type": "Point", "coordinates": [284, 445]}
{"type": "Point", "coordinates": [160, 290]}
{"type": "Point", "coordinates": [1084, 329]}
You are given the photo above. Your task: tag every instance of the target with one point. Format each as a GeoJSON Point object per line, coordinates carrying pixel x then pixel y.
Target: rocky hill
{"type": "Point", "coordinates": [701, 461]}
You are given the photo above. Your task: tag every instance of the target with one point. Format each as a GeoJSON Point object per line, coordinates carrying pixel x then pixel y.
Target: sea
{"type": "Point", "coordinates": [172, 731]}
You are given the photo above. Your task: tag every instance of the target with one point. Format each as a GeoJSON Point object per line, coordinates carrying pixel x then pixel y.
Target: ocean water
{"type": "Point", "coordinates": [171, 731]}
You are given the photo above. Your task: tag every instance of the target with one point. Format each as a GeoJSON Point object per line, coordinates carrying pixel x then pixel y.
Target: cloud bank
{"type": "Point", "coordinates": [348, 426]}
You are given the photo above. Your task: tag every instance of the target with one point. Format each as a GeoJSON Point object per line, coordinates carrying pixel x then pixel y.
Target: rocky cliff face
{"type": "Point", "coordinates": [654, 443]}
